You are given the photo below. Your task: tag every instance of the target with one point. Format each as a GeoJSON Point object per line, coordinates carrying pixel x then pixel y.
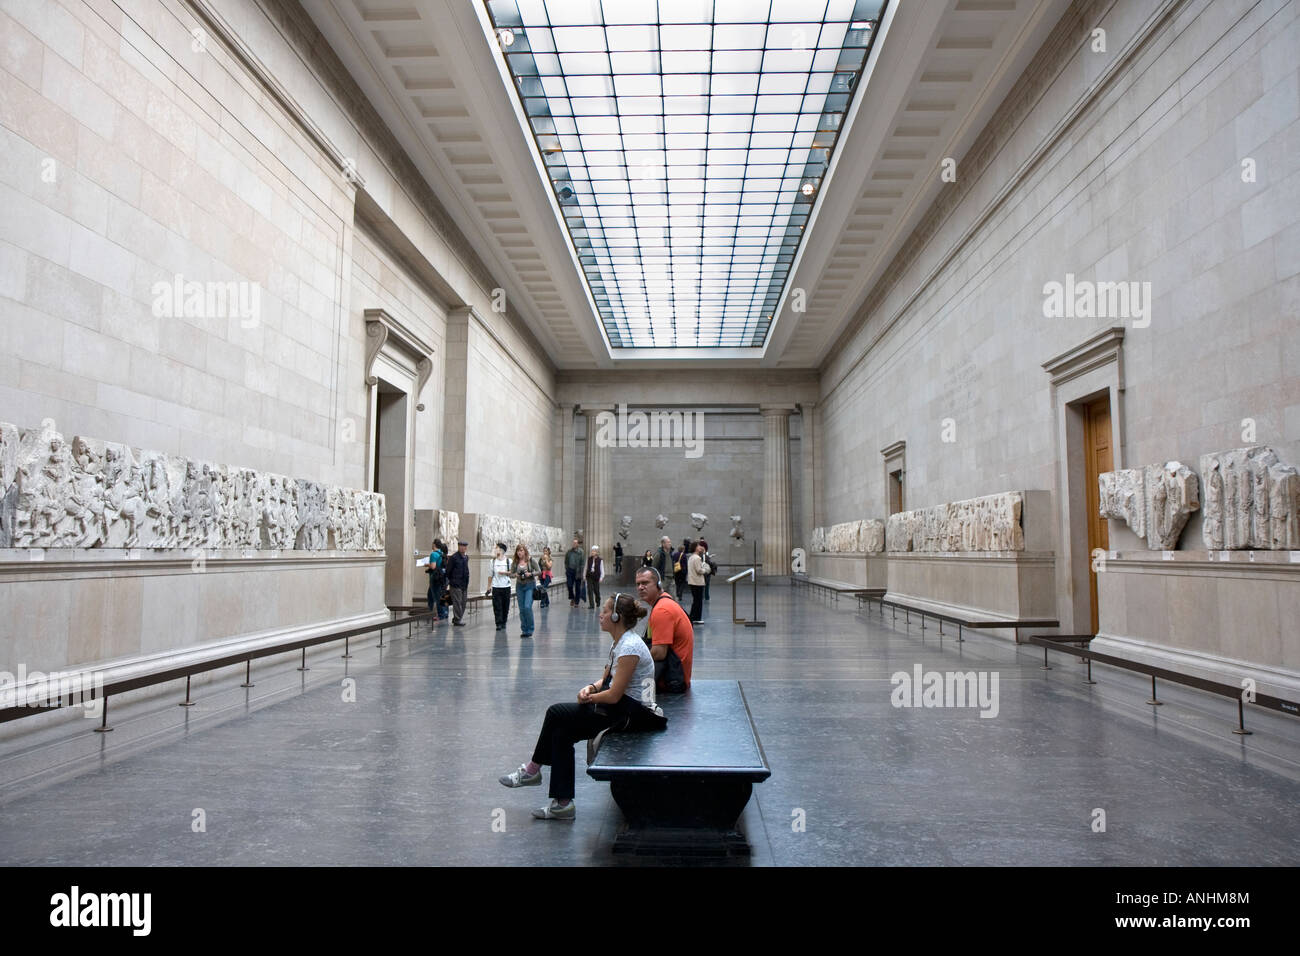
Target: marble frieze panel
{"type": "Point", "coordinates": [91, 493]}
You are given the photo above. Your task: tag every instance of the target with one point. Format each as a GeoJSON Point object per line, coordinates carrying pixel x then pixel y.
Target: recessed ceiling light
{"type": "Point", "coordinates": [507, 37]}
{"type": "Point", "coordinates": [807, 189]}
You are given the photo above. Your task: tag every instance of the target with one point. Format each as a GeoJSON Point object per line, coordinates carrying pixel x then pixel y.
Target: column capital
{"type": "Point", "coordinates": [595, 408]}
{"type": "Point", "coordinates": [774, 411]}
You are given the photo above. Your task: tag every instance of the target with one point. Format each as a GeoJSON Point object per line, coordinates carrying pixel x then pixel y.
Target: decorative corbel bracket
{"type": "Point", "coordinates": [386, 333]}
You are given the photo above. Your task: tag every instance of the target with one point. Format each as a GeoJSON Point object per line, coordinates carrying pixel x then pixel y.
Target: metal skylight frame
{"type": "Point", "coordinates": [686, 142]}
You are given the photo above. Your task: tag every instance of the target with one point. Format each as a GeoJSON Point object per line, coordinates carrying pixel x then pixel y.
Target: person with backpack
{"type": "Point", "coordinates": [544, 564]}
{"type": "Point", "coordinates": [680, 561]}
{"type": "Point", "coordinates": [437, 573]}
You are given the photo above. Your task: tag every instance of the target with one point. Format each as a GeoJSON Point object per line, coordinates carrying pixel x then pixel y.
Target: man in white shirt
{"type": "Point", "coordinates": [595, 574]}
{"type": "Point", "coordinates": [500, 585]}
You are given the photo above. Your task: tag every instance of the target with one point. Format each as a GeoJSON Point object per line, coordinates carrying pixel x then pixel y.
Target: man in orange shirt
{"type": "Point", "coordinates": [669, 634]}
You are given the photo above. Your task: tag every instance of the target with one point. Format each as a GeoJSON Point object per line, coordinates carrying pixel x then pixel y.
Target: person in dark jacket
{"type": "Point", "coordinates": [573, 572]}
{"type": "Point", "coordinates": [664, 561]}
{"type": "Point", "coordinates": [458, 581]}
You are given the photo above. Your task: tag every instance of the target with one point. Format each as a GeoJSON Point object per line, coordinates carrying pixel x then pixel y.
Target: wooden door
{"type": "Point", "coordinates": [1097, 451]}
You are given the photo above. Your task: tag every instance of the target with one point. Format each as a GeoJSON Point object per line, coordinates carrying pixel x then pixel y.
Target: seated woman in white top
{"type": "Point", "coordinates": [622, 699]}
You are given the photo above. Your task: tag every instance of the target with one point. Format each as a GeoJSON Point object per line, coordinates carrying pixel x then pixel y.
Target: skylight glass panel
{"type": "Point", "coordinates": [686, 142]}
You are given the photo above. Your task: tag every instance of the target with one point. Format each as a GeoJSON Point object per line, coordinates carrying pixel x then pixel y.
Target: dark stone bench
{"type": "Point", "coordinates": [682, 790]}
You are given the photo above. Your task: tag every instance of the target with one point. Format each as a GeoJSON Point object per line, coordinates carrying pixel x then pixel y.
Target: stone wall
{"type": "Point", "coordinates": [1136, 185]}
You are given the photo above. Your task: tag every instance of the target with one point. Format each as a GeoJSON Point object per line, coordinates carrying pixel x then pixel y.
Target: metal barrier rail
{"type": "Point", "coordinates": [1054, 642]}
{"type": "Point", "coordinates": [909, 610]}
{"type": "Point", "coordinates": [752, 574]}
{"type": "Point", "coordinates": [245, 657]}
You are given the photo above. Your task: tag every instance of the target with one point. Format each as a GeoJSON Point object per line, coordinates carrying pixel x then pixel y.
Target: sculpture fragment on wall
{"type": "Point", "coordinates": [989, 523]}
{"type": "Point", "coordinates": [1252, 500]}
{"type": "Point", "coordinates": [624, 526]}
{"type": "Point", "coordinates": [447, 527]}
{"type": "Point", "coordinates": [661, 521]}
{"type": "Point", "coordinates": [818, 543]}
{"type": "Point", "coordinates": [511, 532]}
{"type": "Point", "coordinates": [1154, 501]}
{"type": "Point", "coordinates": [851, 537]}
{"type": "Point", "coordinates": [698, 521]}
{"type": "Point", "coordinates": [737, 528]}
{"type": "Point", "coordinates": [97, 494]}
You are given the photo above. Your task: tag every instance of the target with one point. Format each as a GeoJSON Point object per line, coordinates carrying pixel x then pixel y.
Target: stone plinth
{"type": "Point", "coordinates": [1221, 615]}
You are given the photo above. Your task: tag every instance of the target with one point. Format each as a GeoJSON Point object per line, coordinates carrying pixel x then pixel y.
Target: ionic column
{"type": "Point", "coordinates": [598, 520]}
{"type": "Point", "coordinates": [777, 524]}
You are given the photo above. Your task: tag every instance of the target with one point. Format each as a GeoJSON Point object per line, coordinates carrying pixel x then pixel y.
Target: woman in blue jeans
{"type": "Point", "coordinates": [524, 570]}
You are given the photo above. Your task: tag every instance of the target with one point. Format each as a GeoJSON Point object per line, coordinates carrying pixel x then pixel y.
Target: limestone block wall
{"type": "Point", "coordinates": [186, 259]}
{"type": "Point", "coordinates": [1136, 179]}
{"type": "Point", "coordinates": [381, 281]}
{"type": "Point", "coordinates": [1145, 186]}
{"type": "Point", "coordinates": [509, 423]}
{"type": "Point", "coordinates": [726, 479]}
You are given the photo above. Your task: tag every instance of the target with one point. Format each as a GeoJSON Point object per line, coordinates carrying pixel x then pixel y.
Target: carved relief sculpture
{"type": "Point", "coordinates": [1252, 500]}
{"type": "Point", "coordinates": [990, 523]}
{"type": "Point", "coordinates": [96, 494]}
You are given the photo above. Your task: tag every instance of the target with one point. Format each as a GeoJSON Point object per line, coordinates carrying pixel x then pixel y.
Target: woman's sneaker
{"type": "Point", "coordinates": [553, 811]}
{"type": "Point", "coordinates": [522, 778]}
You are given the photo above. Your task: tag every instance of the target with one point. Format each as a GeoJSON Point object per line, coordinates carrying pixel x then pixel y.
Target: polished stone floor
{"type": "Point", "coordinates": [292, 772]}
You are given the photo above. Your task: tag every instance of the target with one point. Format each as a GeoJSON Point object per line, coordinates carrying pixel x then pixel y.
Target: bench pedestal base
{"type": "Point", "coordinates": [681, 814]}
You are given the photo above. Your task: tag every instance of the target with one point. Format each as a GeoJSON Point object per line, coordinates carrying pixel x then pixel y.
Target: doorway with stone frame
{"type": "Point", "coordinates": [1087, 387]}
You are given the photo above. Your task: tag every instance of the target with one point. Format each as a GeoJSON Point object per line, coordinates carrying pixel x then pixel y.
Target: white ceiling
{"type": "Point", "coordinates": [938, 71]}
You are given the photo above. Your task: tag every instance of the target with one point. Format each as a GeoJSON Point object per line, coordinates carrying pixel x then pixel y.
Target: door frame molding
{"type": "Point", "coordinates": [1090, 370]}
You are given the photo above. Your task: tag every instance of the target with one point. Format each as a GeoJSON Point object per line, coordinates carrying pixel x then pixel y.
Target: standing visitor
{"type": "Point", "coordinates": [437, 578]}
{"type": "Point", "coordinates": [573, 572]}
{"type": "Point", "coordinates": [697, 571]}
{"type": "Point", "coordinates": [595, 574]}
{"type": "Point", "coordinates": [664, 561]}
{"type": "Point", "coordinates": [544, 564]}
{"type": "Point", "coordinates": [500, 585]}
{"type": "Point", "coordinates": [713, 569]}
{"type": "Point", "coordinates": [680, 558]}
{"type": "Point", "coordinates": [618, 557]}
{"type": "Point", "coordinates": [458, 580]}
{"type": "Point", "coordinates": [525, 571]}
{"type": "Point", "coordinates": [647, 560]}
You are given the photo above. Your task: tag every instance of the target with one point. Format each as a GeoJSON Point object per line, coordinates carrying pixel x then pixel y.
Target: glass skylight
{"type": "Point", "coordinates": [686, 142]}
